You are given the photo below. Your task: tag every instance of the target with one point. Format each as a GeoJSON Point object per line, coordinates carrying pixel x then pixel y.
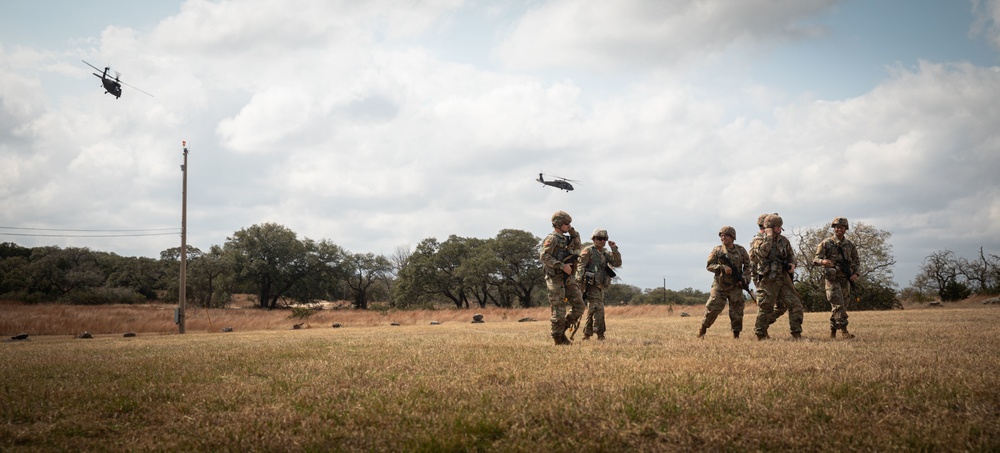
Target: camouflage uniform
{"type": "Point", "coordinates": [724, 287]}
{"type": "Point", "coordinates": [838, 283]}
{"type": "Point", "coordinates": [563, 289]}
{"type": "Point", "coordinates": [592, 274]}
{"type": "Point", "coordinates": [779, 305]}
{"type": "Point", "coordinates": [773, 255]}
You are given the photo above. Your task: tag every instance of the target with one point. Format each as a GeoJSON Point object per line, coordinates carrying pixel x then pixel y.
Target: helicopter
{"type": "Point", "coordinates": [559, 182]}
{"type": "Point", "coordinates": [112, 86]}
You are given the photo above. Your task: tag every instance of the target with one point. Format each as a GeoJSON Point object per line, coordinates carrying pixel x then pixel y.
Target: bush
{"type": "Point", "coordinates": [24, 297]}
{"type": "Point", "coordinates": [875, 297]}
{"type": "Point", "coordinates": [866, 296]}
{"type": "Point", "coordinates": [813, 300]}
{"type": "Point", "coordinates": [954, 290]}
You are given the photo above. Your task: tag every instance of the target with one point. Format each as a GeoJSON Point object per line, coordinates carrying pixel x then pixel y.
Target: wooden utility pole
{"type": "Point", "coordinates": [183, 279]}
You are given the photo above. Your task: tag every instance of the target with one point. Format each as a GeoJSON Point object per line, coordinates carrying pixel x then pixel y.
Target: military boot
{"type": "Point", "coordinates": [561, 340]}
{"type": "Point", "coordinates": [600, 336]}
{"type": "Point", "coordinates": [796, 335]}
{"type": "Point", "coordinates": [701, 331]}
{"type": "Point", "coordinates": [833, 332]}
{"type": "Point", "coordinates": [762, 336]}
{"type": "Point", "coordinates": [736, 334]}
{"type": "Point", "coordinates": [847, 335]}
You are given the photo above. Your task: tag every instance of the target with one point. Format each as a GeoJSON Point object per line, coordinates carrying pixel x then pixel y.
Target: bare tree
{"type": "Point", "coordinates": [981, 275]}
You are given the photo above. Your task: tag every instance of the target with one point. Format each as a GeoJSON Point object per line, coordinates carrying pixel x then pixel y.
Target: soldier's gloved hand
{"type": "Point", "coordinates": [573, 233]}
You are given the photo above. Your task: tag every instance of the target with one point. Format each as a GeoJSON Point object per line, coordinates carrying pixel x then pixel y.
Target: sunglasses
{"type": "Point", "coordinates": [600, 239]}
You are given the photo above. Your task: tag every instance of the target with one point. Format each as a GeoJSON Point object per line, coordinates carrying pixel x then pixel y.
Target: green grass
{"type": "Point", "coordinates": [923, 380]}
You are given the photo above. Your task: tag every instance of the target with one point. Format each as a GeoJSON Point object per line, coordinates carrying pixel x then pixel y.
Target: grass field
{"type": "Point", "coordinates": [914, 380]}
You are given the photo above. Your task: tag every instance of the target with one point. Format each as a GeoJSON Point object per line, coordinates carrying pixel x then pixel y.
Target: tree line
{"type": "Point", "coordinates": [949, 277]}
{"type": "Point", "coordinates": [270, 262]}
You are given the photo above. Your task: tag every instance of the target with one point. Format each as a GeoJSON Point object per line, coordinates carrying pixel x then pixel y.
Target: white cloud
{"type": "Point", "coordinates": [602, 35]}
{"type": "Point", "coordinates": [987, 13]}
{"type": "Point", "coordinates": [335, 120]}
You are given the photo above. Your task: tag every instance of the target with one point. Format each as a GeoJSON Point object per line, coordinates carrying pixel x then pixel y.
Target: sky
{"type": "Point", "coordinates": [378, 124]}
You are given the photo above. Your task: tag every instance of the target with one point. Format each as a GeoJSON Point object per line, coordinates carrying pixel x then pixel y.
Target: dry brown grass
{"type": "Point", "coordinates": [914, 380]}
{"type": "Point", "coordinates": [56, 319]}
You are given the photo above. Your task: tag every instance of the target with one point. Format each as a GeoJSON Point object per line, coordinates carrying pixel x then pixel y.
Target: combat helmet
{"type": "Point", "coordinates": [728, 230]}
{"type": "Point", "coordinates": [761, 218]}
{"type": "Point", "coordinates": [561, 218]}
{"type": "Point", "coordinates": [772, 221]}
{"type": "Point", "coordinates": [840, 221]}
{"type": "Point", "coordinates": [599, 233]}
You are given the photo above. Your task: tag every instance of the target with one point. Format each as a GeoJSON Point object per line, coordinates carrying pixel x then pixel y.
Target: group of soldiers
{"type": "Point", "coordinates": [569, 266]}
{"type": "Point", "coordinates": [577, 276]}
{"type": "Point", "coordinates": [770, 265]}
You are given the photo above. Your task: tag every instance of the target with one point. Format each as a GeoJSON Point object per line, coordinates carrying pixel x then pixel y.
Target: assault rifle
{"type": "Point", "coordinates": [567, 257]}
{"type": "Point", "coordinates": [845, 265]}
{"type": "Point", "coordinates": [574, 327]}
{"type": "Point", "coordinates": [738, 276]}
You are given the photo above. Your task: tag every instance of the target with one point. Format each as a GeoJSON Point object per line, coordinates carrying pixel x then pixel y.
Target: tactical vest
{"type": "Point", "coordinates": [838, 252]}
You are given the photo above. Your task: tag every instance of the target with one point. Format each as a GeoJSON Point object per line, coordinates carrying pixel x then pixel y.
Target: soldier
{"type": "Point", "coordinates": [558, 256]}
{"type": "Point", "coordinates": [779, 305]}
{"type": "Point", "coordinates": [839, 258]}
{"type": "Point", "coordinates": [594, 274]}
{"type": "Point", "coordinates": [731, 265]}
{"type": "Point", "coordinates": [775, 260]}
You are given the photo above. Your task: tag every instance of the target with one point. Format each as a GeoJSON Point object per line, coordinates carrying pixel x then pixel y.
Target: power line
{"type": "Point", "coordinates": [89, 233]}
{"type": "Point", "coordinates": [83, 230]}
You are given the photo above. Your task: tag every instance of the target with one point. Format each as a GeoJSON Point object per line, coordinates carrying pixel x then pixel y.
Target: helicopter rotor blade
{"type": "Point", "coordinates": [88, 64]}
{"type": "Point", "coordinates": [137, 89]}
{"type": "Point", "coordinates": [564, 179]}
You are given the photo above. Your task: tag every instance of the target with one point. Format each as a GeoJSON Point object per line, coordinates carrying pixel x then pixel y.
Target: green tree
{"type": "Point", "coordinates": [58, 272]}
{"type": "Point", "coordinates": [479, 272]}
{"type": "Point", "coordinates": [621, 293]}
{"type": "Point", "coordinates": [518, 267]}
{"type": "Point", "coordinates": [659, 296]}
{"type": "Point", "coordinates": [496, 271]}
{"type": "Point", "coordinates": [363, 271]}
{"type": "Point", "coordinates": [326, 269]}
{"type": "Point", "coordinates": [433, 270]}
{"type": "Point", "coordinates": [268, 258]}
{"type": "Point", "coordinates": [11, 250]}
{"type": "Point", "coordinates": [140, 274]}
{"type": "Point", "coordinates": [207, 274]}
{"type": "Point", "coordinates": [416, 280]}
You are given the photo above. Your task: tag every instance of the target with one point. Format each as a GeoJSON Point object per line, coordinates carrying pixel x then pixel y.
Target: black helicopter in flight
{"type": "Point", "coordinates": [559, 182]}
{"type": "Point", "coordinates": [112, 86]}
